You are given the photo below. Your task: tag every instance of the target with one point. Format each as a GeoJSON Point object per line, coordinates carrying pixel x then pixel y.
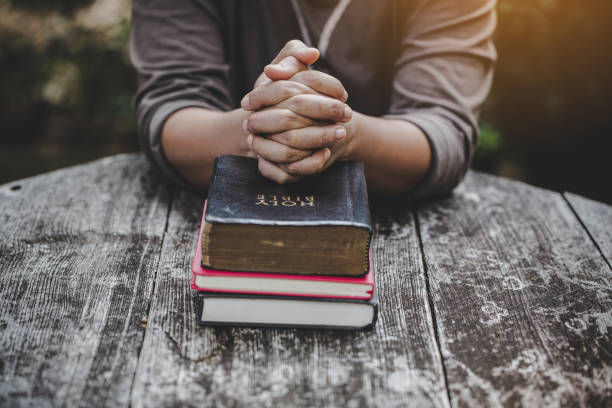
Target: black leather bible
{"type": "Point", "coordinates": [318, 226]}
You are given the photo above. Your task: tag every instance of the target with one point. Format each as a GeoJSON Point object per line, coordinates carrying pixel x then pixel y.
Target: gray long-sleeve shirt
{"type": "Point", "coordinates": [429, 62]}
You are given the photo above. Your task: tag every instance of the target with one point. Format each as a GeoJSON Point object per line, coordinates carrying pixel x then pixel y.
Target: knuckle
{"type": "Point", "coordinates": [280, 154]}
{"type": "Point", "coordinates": [294, 154]}
{"type": "Point", "coordinates": [291, 155]}
{"type": "Point", "coordinates": [303, 77]}
{"type": "Point", "coordinates": [292, 169]}
{"type": "Point", "coordinates": [322, 139]}
{"type": "Point", "coordinates": [299, 89]}
{"type": "Point", "coordinates": [256, 121]}
{"type": "Point", "coordinates": [283, 137]}
{"type": "Point", "coordinates": [251, 122]}
{"type": "Point", "coordinates": [289, 61]}
{"type": "Point", "coordinates": [337, 110]}
{"type": "Point", "coordinates": [309, 77]}
{"type": "Point", "coordinates": [319, 109]}
{"type": "Point", "coordinates": [317, 81]}
{"type": "Point", "coordinates": [291, 120]}
{"type": "Point", "coordinates": [293, 44]}
{"type": "Point", "coordinates": [305, 122]}
{"type": "Point", "coordinates": [327, 136]}
{"type": "Point", "coordinates": [287, 119]}
{"type": "Point", "coordinates": [289, 137]}
{"type": "Point", "coordinates": [287, 88]}
{"type": "Point", "coordinates": [298, 102]}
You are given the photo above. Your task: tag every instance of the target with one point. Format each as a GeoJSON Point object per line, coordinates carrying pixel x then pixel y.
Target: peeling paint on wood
{"type": "Point", "coordinates": [522, 297]}
{"type": "Point", "coordinates": [597, 219]}
{"type": "Point", "coordinates": [395, 364]}
{"type": "Point", "coordinates": [78, 252]}
{"type": "Point", "coordinates": [96, 309]}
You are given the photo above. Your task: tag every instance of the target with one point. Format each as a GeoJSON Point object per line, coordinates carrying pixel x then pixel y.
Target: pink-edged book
{"type": "Point", "coordinates": [211, 280]}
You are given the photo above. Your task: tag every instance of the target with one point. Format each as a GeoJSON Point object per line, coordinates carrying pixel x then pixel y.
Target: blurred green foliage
{"type": "Point", "coordinates": [66, 87]}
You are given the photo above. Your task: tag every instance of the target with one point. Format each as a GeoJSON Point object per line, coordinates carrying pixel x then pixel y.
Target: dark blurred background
{"type": "Point", "coordinates": [66, 87]}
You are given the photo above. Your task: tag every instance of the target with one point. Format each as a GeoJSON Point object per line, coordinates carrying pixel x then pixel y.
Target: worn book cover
{"type": "Point", "coordinates": [211, 280]}
{"type": "Point", "coordinates": [319, 226]}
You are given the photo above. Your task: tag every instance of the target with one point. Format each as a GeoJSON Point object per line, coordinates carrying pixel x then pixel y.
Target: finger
{"type": "Point", "coordinates": [285, 69]}
{"type": "Point", "coordinates": [262, 79]}
{"type": "Point", "coordinates": [322, 83]}
{"type": "Point", "coordinates": [312, 137]}
{"type": "Point", "coordinates": [296, 48]}
{"type": "Point", "coordinates": [311, 165]}
{"type": "Point", "coordinates": [251, 154]}
{"type": "Point", "coordinates": [274, 151]}
{"type": "Point", "coordinates": [317, 107]}
{"type": "Point", "coordinates": [273, 93]}
{"type": "Point", "coordinates": [276, 121]}
{"type": "Point", "coordinates": [274, 172]}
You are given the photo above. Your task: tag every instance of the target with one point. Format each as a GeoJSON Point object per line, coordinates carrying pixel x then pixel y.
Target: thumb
{"type": "Point", "coordinates": [307, 55]}
{"type": "Point", "coordinates": [285, 69]}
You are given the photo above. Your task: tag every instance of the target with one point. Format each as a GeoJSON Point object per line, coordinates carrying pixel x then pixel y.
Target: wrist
{"type": "Point", "coordinates": [222, 133]}
{"type": "Point", "coordinates": [193, 137]}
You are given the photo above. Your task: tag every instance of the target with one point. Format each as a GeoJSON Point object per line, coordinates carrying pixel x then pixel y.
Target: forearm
{"type": "Point", "coordinates": [396, 153]}
{"type": "Point", "coordinates": [193, 137]}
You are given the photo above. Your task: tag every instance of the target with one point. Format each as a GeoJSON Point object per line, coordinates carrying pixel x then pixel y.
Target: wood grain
{"type": "Point", "coordinates": [522, 297]}
{"type": "Point", "coordinates": [597, 219]}
{"type": "Point", "coordinates": [78, 253]}
{"type": "Point", "coordinates": [395, 364]}
{"type": "Point", "coordinates": [522, 300]}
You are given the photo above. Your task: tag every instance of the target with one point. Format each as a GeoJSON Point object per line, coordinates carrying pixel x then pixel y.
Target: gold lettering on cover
{"type": "Point", "coordinates": [261, 200]}
{"type": "Point", "coordinates": [287, 202]}
{"type": "Point", "coordinates": [309, 201]}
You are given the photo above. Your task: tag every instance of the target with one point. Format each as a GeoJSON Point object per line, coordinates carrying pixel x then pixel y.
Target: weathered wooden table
{"type": "Point", "coordinates": [498, 295]}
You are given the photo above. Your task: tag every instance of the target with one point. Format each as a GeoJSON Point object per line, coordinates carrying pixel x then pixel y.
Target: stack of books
{"type": "Point", "coordinates": [294, 255]}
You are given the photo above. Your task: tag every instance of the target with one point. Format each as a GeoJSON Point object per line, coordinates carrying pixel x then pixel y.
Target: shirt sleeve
{"type": "Point", "coordinates": [443, 75]}
{"type": "Point", "coordinates": [177, 50]}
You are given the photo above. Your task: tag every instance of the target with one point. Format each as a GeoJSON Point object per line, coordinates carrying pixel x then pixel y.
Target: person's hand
{"type": "Point", "coordinates": [293, 127]}
{"type": "Point", "coordinates": [296, 129]}
{"type": "Point", "coordinates": [294, 57]}
{"type": "Point", "coordinates": [296, 123]}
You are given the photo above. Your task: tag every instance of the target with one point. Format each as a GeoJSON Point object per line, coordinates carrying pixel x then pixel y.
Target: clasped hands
{"type": "Point", "coordinates": [299, 122]}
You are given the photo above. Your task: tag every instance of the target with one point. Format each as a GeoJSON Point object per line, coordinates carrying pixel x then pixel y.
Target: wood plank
{"type": "Point", "coordinates": [522, 297]}
{"type": "Point", "coordinates": [78, 253]}
{"type": "Point", "coordinates": [597, 219]}
{"type": "Point", "coordinates": [395, 364]}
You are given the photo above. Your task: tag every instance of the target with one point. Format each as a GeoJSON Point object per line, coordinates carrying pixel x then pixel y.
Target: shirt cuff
{"type": "Point", "coordinates": [448, 162]}
{"type": "Point", "coordinates": [151, 140]}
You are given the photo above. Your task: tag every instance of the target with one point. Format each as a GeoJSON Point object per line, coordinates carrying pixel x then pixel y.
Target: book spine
{"type": "Point", "coordinates": [366, 253]}
{"type": "Point", "coordinates": [359, 188]}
